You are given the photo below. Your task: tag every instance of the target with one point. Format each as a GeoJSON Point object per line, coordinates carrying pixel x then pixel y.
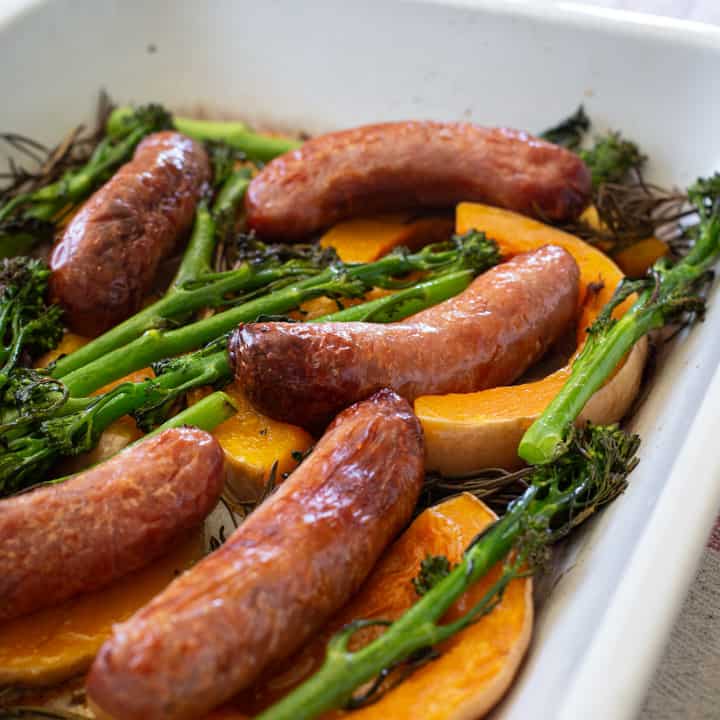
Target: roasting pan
{"type": "Point", "coordinates": [319, 66]}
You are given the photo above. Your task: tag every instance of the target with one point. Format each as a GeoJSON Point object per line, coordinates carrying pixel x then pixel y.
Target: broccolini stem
{"type": "Point", "coordinates": [344, 280]}
{"type": "Point", "coordinates": [197, 260]}
{"type": "Point", "coordinates": [669, 293]}
{"type": "Point", "coordinates": [404, 302]}
{"type": "Point", "coordinates": [235, 134]}
{"type": "Point", "coordinates": [559, 497]}
{"type": "Point", "coordinates": [182, 298]}
{"type": "Point", "coordinates": [205, 414]}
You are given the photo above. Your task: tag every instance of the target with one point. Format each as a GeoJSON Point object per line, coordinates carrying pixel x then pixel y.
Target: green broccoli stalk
{"type": "Point", "coordinates": [560, 496]}
{"type": "Point", "coordinates": [235, 134]}
{"type": "Point", "coordinates": [205, 414]}
{"type": "Point", "coordinates": [668, 294]}
{"type": "Point", "coordinates": [471, 252]}
{"type": "Point", "coordinates": [48, 424]}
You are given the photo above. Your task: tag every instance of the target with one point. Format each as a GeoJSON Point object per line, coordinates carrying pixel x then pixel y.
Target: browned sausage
{"type": "Point", "coordinates": [394, 166]}
{"type": "Point", "coordinates": [106, 261]}
{"type": "Point", "coordinates": [484, 337]}
{"type": "Point", "coordinates": [295, 561]}
{"type": "Point", "coordinates": [80, 535]}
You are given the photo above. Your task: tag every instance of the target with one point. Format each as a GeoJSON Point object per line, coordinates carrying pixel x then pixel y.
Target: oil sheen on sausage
{"type": "Point", "coordinates": [487, 336]}
{"type": "Point", "coordinates": [107, 258]}
{"type": "Point", "coordinates": [294, 562]}
{"type": "Point", "coordinates": [401, 165]}
{"type": "Point", "coordinates": [61, 540]}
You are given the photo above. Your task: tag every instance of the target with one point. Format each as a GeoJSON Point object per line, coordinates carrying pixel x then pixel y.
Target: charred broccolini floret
{"type": "Point", "coordinates": [29, 325]}
{"type": "Point", "coordinates": [611, 158]}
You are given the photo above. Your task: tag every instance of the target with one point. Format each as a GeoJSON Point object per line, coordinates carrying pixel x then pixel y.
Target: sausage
{"type": "Point", "coordinates": [294, 562]}
{"type": "Point", "coordinates": [107, 258]}
{"type": "Point", "coordinates": [61, 540]}
{"type": "Point", "coordinates": [485, 337]}
{"type": "Point", "coordinates": [401, 165]}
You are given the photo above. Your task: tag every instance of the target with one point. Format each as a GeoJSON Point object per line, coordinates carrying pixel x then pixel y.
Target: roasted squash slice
{"type": "Point", "coordinates": [474, 668]}
{"type": "Point", "coordinates": [254, 444]}
{"type": "Point", "coordinates": [54, 644]}
{"type": "Point", "coordinates": [368, 239]}
{"type": "Point", "coordinates": [466, 432]}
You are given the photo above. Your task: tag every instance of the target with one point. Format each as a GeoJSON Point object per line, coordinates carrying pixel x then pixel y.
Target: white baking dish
{"type": "Point", "coordinates": [322, 65]}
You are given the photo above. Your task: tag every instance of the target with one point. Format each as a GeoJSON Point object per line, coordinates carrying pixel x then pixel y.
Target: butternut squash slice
{"type": "Point", "coordinates": [254, 444]}
{"type": "Point", "coordinates": [635, 260]}
{"type": "Point", "coordinates": [475, 667]}
{"type": "Point", "coordinates": [368, 239]}
{"type": "Point", "coordinates": [52, 645]}
{"type": "Point", "coordinates": [466, 432]}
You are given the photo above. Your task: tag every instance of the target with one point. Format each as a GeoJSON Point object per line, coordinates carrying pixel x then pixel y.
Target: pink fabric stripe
{"type": "Point", "coordinates": [714, 541]}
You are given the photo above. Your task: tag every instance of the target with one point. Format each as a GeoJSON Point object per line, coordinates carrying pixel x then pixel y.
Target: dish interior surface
{"type": "Point", "coordinates": [318, 66]}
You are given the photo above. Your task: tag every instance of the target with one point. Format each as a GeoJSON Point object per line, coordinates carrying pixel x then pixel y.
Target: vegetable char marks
{"type": "Point", "coordinates": [293, 563]}
{"type": "Point", "coordinates": [107, 258]}
{"type": "Point", "coordinates": [484, 337]}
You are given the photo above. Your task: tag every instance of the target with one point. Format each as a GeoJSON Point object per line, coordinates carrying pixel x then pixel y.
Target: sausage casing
{"type": "Point", "coordinates": [108, 256]}
{"type": "Point", "coordinates": [80, 535]}
{"type": "Point", "coordinates": [487, 336]}
{"type": "Point", "coordinates": [295, 561]}
{"type": "Point", "coordinates": [401, 165]}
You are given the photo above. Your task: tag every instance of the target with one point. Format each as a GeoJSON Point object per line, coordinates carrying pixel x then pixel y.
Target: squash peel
{"type": "Point", "coordinates": [466, 432]}
{"type": "Point", "coordinates": [474, 668]}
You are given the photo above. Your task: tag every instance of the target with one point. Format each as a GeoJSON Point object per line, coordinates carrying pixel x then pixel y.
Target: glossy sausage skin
{"type": "Point", "coordinates": [61, 540]}
{"type": "Point", "coordinates": [107, 258]}
{"type": "Point", "coordinates": [487, 336]}
{"type": "Point", "coordinates": [395, 166]}
{"type": "Point", "coordinates": [295, 561]}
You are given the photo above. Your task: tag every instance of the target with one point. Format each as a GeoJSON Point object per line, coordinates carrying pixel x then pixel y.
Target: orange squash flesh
{"type": "Point", "coordinates": [54, 644]}
{"type": "Point", "coordinates": [368, 239]}
{"type": "Point", "coordinates": [69, 343]}
{"type": "Point", "coordinates": [465, 432]}
{"type": "Point", "coordinates": [474, 668]}
{"type": "Point", "coordinates": [253, 443]}
{"type": "Point", "coordinates": [637, 259]}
